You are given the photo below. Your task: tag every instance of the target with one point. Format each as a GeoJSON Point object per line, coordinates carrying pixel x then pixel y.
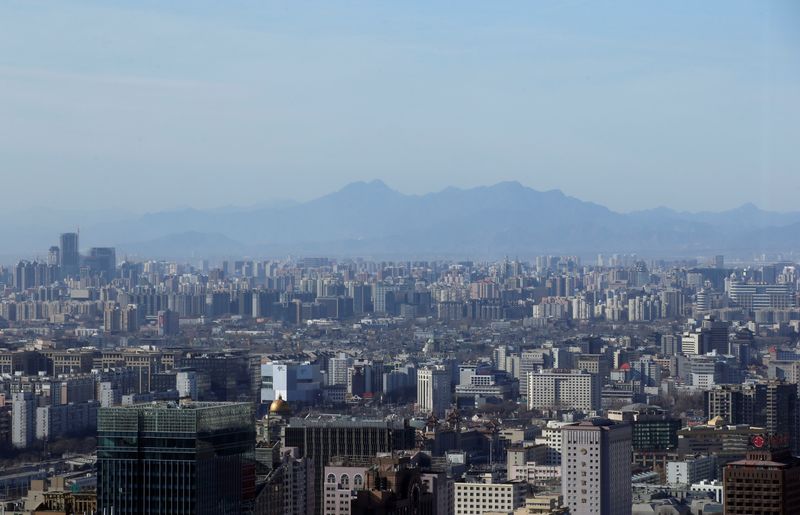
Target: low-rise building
{"type": "Point", "coordinates": [473, 498]}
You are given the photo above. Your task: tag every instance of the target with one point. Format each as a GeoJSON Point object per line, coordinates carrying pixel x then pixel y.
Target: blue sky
{"type": "Point", "coordinates": [152, 105]}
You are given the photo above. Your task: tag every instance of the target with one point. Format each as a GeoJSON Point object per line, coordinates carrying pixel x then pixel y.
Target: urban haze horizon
{"type": "Point", "coordinates": [288, 199]}
{"type": "Point", "coordinates": [373, 221]}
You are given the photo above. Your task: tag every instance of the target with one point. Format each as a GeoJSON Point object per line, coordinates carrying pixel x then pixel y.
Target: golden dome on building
{"type": "Point", "coordinates": [279, 406]}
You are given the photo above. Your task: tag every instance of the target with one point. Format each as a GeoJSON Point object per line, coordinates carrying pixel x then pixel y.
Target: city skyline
{"type": "Point", "coordinates": [415, 226]}
{"type": "Point", "coordinates": [365, 257]}
{"type": "Point", "coordinates": [319, 385]}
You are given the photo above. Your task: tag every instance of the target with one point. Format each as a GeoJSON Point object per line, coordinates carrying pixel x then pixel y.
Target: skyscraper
{"type": "Point", "coordinates": [102, 261]}
{"type": "Point", "coordinates": [596, 467]}
{"type": "Point", "coordinates": [717, 331]}
{"type": "Point", "coordinates": [433, 391]}
{"type": "Point", "coordinates": [175, 458]}
{"type": "Point", "coordinates": [70, 258]}
{"type": "Point", "coordinates": [25, 275]}
{"type": "Point", "coordinates": [780, 412]}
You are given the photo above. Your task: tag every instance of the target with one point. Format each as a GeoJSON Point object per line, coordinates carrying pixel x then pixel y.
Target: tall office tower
{"type": "Point", "coordinates": [70, 258]}
{"type": "Point", "coordinates": [719, 261]}
{"type": "Point", "coordinates": [672, 304]}
{"type": "Point", "coordinates": [754, 398]}
{"type": "Point", "coordinates": [717, 331]}
{"type": "Point", "coordinates": [168, 323]}
{"type": "Point", "coordinates": [724, 401]}
{"type": "Point", "coordinates": [23, 419]}
{"type": "Point", "coordinates": [323, 438]}
{"type": "Point", "coordinates": [670, 344]}
{"type": "Point", "coordinates": [596, 468]}
{"type": "Point", "coordinates": [766, 482]}
{"type": "Point", "coordinates": [103, 261]}
{"type": "Point", "coordinates": [383, 297]}
{"type": "Point", "coordinates": [176, 458]}
{"type": "Point", "coordinates": [781, 412]}
{"type": "Point", "coordinates": [361, 294]}
{"type": "Point", "coordinates": [433, 391]}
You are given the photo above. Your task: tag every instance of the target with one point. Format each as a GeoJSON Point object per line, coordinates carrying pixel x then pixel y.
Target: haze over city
{"type": "Point", "coordinates": [399, 258]}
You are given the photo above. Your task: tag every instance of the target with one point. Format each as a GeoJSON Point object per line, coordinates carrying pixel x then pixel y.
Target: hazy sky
{"type": "Point", "coordinates": [152, 104]}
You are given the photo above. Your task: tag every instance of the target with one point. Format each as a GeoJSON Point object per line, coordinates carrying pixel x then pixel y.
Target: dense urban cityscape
{"type": "Point", "coordinates": [549, 385]}
{"type": "Point", "coordinates": [356, 257]}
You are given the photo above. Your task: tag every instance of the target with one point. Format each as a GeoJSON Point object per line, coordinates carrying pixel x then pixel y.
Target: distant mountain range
{"type": "Point", "coordinates": [370, 219]}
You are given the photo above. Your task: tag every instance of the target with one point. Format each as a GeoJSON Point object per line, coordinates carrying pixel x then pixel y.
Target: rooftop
{"type": "Point", "coordinates": [335, 420]}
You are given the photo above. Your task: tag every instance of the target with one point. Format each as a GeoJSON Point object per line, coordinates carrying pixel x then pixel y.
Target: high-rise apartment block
{"type": "Point", "coordinates": [23, 419]}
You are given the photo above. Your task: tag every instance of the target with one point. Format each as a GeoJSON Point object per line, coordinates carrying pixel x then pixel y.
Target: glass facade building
{"type": "Point", "coordinates": [176, 458]}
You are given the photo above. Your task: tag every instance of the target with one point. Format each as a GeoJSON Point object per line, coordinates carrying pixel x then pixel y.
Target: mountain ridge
{"type": "Point", "coordinates": [371, 218]}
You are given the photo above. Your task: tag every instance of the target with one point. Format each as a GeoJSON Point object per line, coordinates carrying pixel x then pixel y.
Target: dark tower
{"type": "Point", "coordinates": [70, 259]}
